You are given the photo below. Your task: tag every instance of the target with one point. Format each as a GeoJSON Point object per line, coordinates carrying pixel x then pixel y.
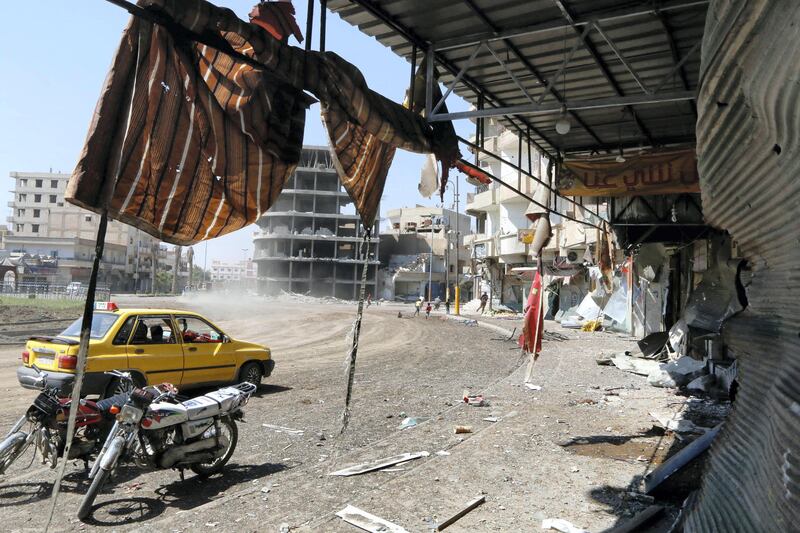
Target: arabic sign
{"type": "Point", "coordinates": [671, 172]}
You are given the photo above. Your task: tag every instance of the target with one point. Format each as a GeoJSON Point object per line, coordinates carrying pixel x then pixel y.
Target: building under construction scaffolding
{"type": "Point", "coordinates": [310, 241]}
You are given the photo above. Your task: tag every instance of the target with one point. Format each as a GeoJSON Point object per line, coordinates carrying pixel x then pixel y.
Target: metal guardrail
{"type": "Point", "coordinates": [52, 292]}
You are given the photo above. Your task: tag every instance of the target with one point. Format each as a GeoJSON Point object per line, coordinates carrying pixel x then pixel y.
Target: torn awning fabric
{"type": "Point", "coordinates": [189, 143]}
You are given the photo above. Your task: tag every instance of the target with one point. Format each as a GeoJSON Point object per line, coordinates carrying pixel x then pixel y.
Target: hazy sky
{"type": "Point", "coordinates": [56, 55]}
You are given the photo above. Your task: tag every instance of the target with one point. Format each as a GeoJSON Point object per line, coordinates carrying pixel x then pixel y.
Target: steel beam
{"type": "Point", "coordinates": [601, 64]}
{"type": "Point", "coordinates": [676, 57]}
{"type": "Point", "coordinates": [559, 24]}
{"type": "Point", "coordinates": [414, 39]}
{"type": "Point", "coordinates": [574, 105]}
{"type": "Point", "coordinates": [621, 57]}
{"type": "Point", "coordinates": [457, 78]}
{"type": "Point", "coordinates": [531, 68]}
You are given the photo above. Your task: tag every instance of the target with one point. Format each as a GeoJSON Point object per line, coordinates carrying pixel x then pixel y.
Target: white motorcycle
{"type": "Point", "coordinates": [155, 430]}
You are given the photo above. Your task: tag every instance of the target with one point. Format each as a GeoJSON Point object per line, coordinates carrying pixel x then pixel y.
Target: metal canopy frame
{"type": "Point", "coordinates": [639, 57]}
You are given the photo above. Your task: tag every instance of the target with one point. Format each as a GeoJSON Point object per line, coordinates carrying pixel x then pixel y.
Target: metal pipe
{"type": "Point", "coordinates": [575, 105]}
{"type": "Point", "coordinates": [309, 24]}
{"type": "Point", "coordinates": [522, 194]}
{"type": "Point", "coordinates": [621, 57]}
{"type": "Point", "coordinates": [554, 78]}
{"type": "Point", "coordinates": [323, 23]}
{"type": "Point", "coordinates": [519, 169]}
{"type": "Point", "coordinates": [457, 78]}
{"type": "Point", "coordinates": [510, 73]}
{"type": "Point", "coordinates": [678, 66]}
{"type": "Point", "coordinates": [413, 76]}
{"type": "Point", "coordinates": [429, 59]}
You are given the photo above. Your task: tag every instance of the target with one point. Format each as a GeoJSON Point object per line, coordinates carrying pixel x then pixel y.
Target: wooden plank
{"type": "Point", "coordinates": [368, 522]}
{"type": "Point", "coordinates": [469, 507]}
{"type": "Point", "coordinates": [379, 464]}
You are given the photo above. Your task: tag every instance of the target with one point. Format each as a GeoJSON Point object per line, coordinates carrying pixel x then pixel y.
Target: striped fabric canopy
{"type": "Point", "coordinates": [189, 143]}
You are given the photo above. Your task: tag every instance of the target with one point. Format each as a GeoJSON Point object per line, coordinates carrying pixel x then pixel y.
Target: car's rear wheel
{"type": "Point", "coordinates": [123, 386]}
{"type": "Point", "coordinates": [252, 373]}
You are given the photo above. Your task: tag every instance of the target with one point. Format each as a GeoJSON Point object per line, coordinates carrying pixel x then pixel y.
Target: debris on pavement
{"type": "Point", "coordinates": [491, 419]}
{"type": "Point", "coordinates": [281, 429]}
{"type": "Point", "coordinates": [411, 421]}
{"type": "Point", "coordinates": [442, 453]}
{"type": "Point", "coordinates": [636, 365]}
{"type": "Point", "coordinates": [475, 400]}
{"type": "Point", "coordinates": [562, 525]}
{"type": "Point", "coordinates": [531, 386]}
{"type": "Point", "coordinates": [379, 464]}
{"type": "Point", "coordinates": [462, 429]}
{"type": "Point", "coordinates": [677, 373]}
{"type": "Point", "coordinates": [469, 507]}
{"type": "Point", "coordinates": [679, 460]}
{"type": "Point", "coordinates": [368, 522]}
{"type": "Point", "coordinates": [638, 521]}
{"type": "Point", "coordinates": [679, 425]}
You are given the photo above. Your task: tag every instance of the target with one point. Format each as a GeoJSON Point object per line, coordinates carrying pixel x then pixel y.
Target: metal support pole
{"type": "Point", "coordinates": [323, 23]}
{"type": "Point", "coordinates": [458, 253]}
{"type": "Point", "coordinates": [478, 130]}
{"type": "Point", "coordinates": [430, 269]}
{"type": "Point", "coordinates": [309, 24]}
{"type": "Point", "coordinates": [429, 59]}
{"type": "Point", "coordinates": [80, 367]}
{"type": "Point", "coordinates": [413, 77]}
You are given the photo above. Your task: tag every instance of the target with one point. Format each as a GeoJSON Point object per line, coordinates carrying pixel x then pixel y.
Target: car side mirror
{"type": "Point", "coordinates": [225, 338]}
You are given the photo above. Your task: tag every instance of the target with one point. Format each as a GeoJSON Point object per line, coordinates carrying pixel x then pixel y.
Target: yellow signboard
{"type": "Point", "coordinates": [672, 172]}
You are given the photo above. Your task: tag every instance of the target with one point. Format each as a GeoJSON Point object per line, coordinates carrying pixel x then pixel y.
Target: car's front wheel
{"type": "Point", "coordinates": [252, 373]}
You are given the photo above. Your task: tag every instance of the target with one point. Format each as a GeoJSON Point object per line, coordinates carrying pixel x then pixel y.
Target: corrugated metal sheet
{"type": "Point", "coordinates": [644, 40]}
{"type": "Point", "coordinates": [749, 161]}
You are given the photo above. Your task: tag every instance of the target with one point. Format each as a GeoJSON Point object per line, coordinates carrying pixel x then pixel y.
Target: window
{"type": "Point", "coordinates": [101, 323]}
{"type": "Point", "coordinates": [37, 198]}
{"type": "Point", "coordinates": [20, 212]}
{"type": "Point", "coordinates": [153, 330]}
{"type": "Point", "coordinates": [38, 184]}
{"type": "Point", "coordinates": [195, 330]}
{"type": "Point", "coordinates": [54, 184]}
{"type": "Point", "coordinates": [53, 199]}
{"type": "Point", "coordinates": [87, 218]}
{"type": "Point", "coordinates": [35, 228]}
{"type": "Point", "coordinates": [124, 332]}
{"type": "Point", "coordinates": [23, 182]}
{"type": "Point", "coordinates": [23, 197]}
{"type": "Point", "coordinates": [36, 213]}
{"type": "Point", "coordinates": [20, 228]}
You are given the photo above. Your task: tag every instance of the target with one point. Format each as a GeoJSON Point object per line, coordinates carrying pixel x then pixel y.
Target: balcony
{"type": "Point", "coordinates": [481, 201]}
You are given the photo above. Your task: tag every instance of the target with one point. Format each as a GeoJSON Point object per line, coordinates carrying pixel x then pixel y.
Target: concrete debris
{"type": "Point", "coordinates": [676, 373]}
{"type": "Point", "coordinates": [462, 429]}
{"type": "Point", "coordinates": [642, 367]}
{"type": "Point", "coordinates": [678, 337]}
{"type": "Point", "coordinates": [679, 425]}
{"type": "Point", "coordinates": [467, 508]}
{"type": "Point", "coordinates": [531, 386]}
{"type": "Point", "coordinates": [442, 453]}
{"type": "Point", "coordinates": [706, 384]}
{"type": "Point", "coordinates": [491, 419]}
{"type": "Point", "coordinates": [281, 429]}
{"type": "Point", "coordinates": [368, 522]}
{"type": "Point", "coordinates": [562, 525]}
{"type": "Point", "coordinates": [379, 464]}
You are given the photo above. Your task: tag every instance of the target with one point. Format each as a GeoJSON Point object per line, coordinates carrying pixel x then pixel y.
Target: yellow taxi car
{"type": "Point", "coordinates": [154, 345]}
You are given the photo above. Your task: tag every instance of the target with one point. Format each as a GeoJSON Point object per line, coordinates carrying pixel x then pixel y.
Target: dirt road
{"type": "Point", "coordinates": [533, 463]}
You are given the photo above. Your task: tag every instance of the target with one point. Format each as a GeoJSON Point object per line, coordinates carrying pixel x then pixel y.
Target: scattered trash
{"type": "Point", "coordinates": [410, 422]}
{"type": "Point", "coordinates": [642, 459]}
{"type": "Point", "coordinates": [368, 522]}
{"type": "Point", "coordinates": [212, 524]}
{"type": "Point", "coordinates": [636, 365]}
{"type": "Point", "coordinates": [283, 528]}
{"type": "Point", "coordinates": [561, 525]}
{"type": "Point", "coordinates": [638, 521]}
{"type": "Point", "coordinates": [679, 460]}
{"type": "Point", "coordinates": [442, 453]}
{"type": "Point", "coordinates": [266, 489]}
{"type": "Point", "coordinates": [476, 400]}
{"type": "Point", "coordinates": [705, 383]}
{"type": "Point", "coordinates": [592, 325]}
{"type": "Point", "coordinates": [462, 429]}
{"type": "Point", "coordinates": [491, 419]}
{"type": "Point", "coordinates": [679, 425]}
{"type": "Point", "coordinates": [575, 469]}
{"type": "Point", "coordinates": [469, 507]}
{"type": "Point", "coordinates": [531, 386]}
{"type": "Point", "coordinates": [676, 373]}
{"type": "Point", "coordinates": [281, 429]}
{"type": "Point", "coordinates": [379, 464]}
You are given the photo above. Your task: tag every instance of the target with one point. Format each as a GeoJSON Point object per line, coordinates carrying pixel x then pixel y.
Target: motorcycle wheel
{"type": "Point", "coordinates": [229, 429]}
{"type": "Point", "coordinates": [88, 500]}
{"type": "Point", "coordinates": [10, 453]}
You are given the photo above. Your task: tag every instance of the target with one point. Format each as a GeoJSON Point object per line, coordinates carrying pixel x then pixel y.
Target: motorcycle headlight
{"type": "Point", "coordinates": [130, 415]}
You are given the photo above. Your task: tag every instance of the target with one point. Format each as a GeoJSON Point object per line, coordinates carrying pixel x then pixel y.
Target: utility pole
{"type": "Point", "coordinates": [430, 268]}
{"type": "Point", "coordinates": [205, 264]}
{"type": "Point", "coordinates": [176, 270]}
{"type": "Point", "coordinates": [154, 266]}
{"type": "Point", "coordinates": [190, 258]}
{"type": "Point", "coordinates": [458, 244]}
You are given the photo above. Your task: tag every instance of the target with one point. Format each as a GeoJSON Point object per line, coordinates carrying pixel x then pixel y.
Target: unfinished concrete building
{"type": "Point", "coordinates": [310, 241]}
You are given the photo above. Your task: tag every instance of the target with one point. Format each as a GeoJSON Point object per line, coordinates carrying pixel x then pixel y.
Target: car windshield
{"type": "Point", "coordinates": [101, 323]}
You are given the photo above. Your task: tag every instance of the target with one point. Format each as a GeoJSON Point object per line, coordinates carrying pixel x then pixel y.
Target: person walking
{"type": "Point", "coordinates": [428, 310]}
{"type": "Point", "coordinates": [484, 299]}
{"type": "Point", "coordinates": [447, 306]}
{"type": "Point", "coordinates": [418, 305]}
